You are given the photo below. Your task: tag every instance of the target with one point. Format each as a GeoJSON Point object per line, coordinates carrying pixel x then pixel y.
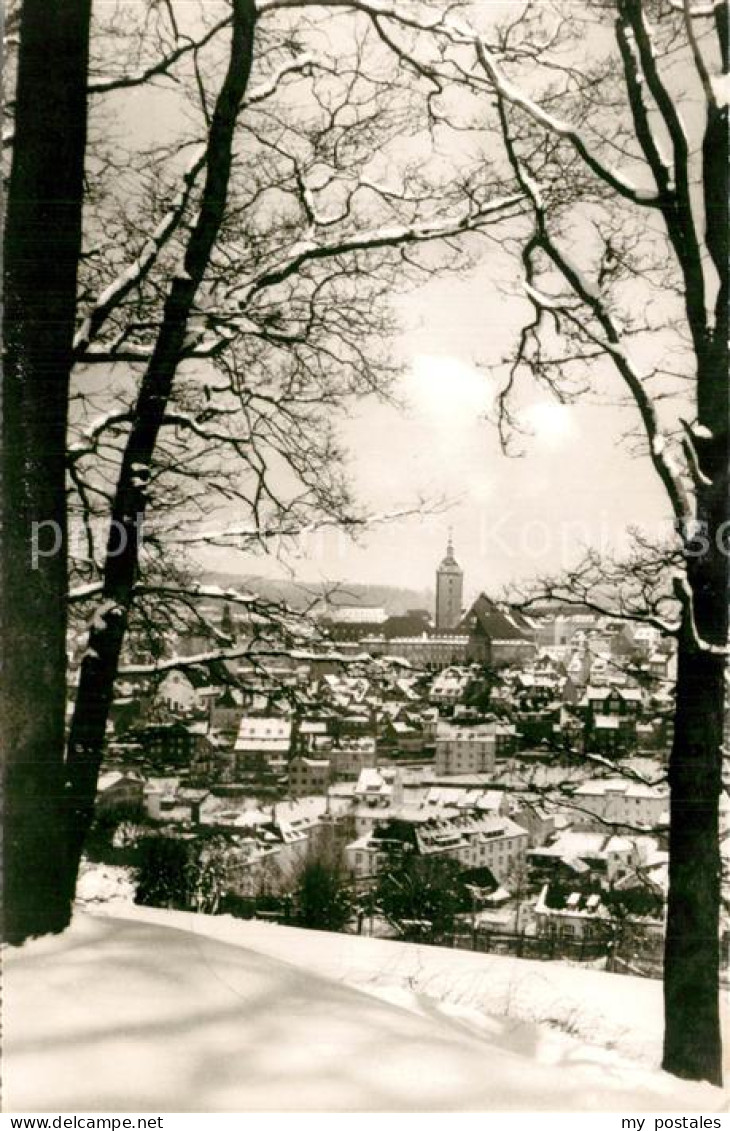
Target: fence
{"type": "Point", "coordinates": [623, 954]}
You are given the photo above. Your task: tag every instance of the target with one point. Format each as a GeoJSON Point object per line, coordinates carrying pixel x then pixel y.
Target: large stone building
{"type": "Point", "coordinates": [432, 651]}
{"type": "Point", "coordinates": [475, 839]}
{"type": "Point", "coordinates": [498, 636]}
{"type": "Point", "coordinates": [449, 591]}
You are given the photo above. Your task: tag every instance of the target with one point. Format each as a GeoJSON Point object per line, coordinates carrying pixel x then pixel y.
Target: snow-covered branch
{"type": "Point", "coordinates": [684, 594]}
{"type": "Point", "coordinates": [299, 65]}
{"type": "Point", "coordinates": [407, 15]}
{"type": "Point", "coordinates": [159, 68]}
{"type": "Point", "coordinates": [704, 75]}
{"type": "Point", "coordinates": [117, 291]}
{"type": "Point", "coordinates": [470, 220]}
{"type": "Point", "coordinates": [85, 592]}
{"type": "Point", "coordinates": [237, 532]}
{"type": "Point", "coordinates": [91, 433]}
{"type": "Point", "coordinates": [554, 125]}
{"type": "Point", "coordinates": [607, 335]}
{"type": "Point", "coordinates": [245, 651]}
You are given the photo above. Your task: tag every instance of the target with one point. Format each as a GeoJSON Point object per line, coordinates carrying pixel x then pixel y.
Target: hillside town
{"type": "Point", "coordinates": [528, 751]}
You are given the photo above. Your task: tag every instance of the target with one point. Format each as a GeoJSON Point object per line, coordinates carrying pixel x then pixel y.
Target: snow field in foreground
{"type": "Point", "coordinates": [165, 1011]}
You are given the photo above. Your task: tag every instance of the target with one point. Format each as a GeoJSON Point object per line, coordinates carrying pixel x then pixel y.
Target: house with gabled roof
{"type": "Point", "coordinates": [497, 635]}
{"type": "Point", "coordinates": [262, 747]}
{"type": "Point", "coordinates": [603, 857]}
{"type": "Point", "coordinates": [118, 790]}
{"type": "Point", "coordinates": [571, 915]}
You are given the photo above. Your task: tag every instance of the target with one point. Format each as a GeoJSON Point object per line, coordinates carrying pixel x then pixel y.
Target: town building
{"type": "Point", "coordinates": [226, 712]}
{"type": "Point", "coordinates": [262, 748]}
{"type": "Point", "coordinates": [190, 689]}
{"type": "Point", "coordinates": [498, 636]}
{"type": "Point", "coordinates": [119, 791]}
{"type": "Point", "coordinates": [623, 802]}
{"type": "Point", "coordinates": [309, 776]}
{"type": "Point", "coordinates": [610, 715]}
{"type": "Point", "coordinates": [474, 839]}
{"type": "Point", "coordinates": [465, 749]}
{"type": "Point", "coordinates": [571, 915]}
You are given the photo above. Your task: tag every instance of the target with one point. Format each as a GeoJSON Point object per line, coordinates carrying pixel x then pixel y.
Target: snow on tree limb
{"type": "Point", "coordinates": [84, 592]}
{"type": "Point", "coordinates": [299, 65]}
{"type": "Point", "coordinates": [160, 68]}
{"type": "Point", "coordinates": [609, 339]}
{"type": "Point", "coordinates": [701, 10]}
{"type": "Point", "coordinates": [702, 71]}
{"type": "Point", "coordinates": [117, 291]}
{"type": "Point", "coordinates": [399, 235]}
{"type": "Point", "coordinates": [245, 651]}
{"type": "Point", "coordinates": [676, 196]}
{"type": "Point", "coordinates": [516, 97]}
{"type": "Point", "coordinates": [255, 532]}
{"type": "Point", "coordinates": [399, 12]}
{"type": "Point", "coordinates": [685, 595]}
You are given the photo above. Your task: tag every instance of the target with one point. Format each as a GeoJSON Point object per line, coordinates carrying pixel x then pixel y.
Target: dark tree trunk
{"type": "Point", "coordinates": [692, 1039]}
{"type": "Point", "coordinates": [99, 669]}
{"type": "Point", "coordinates": [41, 254]}
{"type": "Point", "coordinates": [692, 1042]}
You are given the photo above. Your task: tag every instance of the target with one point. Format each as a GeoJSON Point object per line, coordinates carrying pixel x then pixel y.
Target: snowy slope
{"type": "Point", "coordinates": [609, 1011]}
{"type": "Point", "coordinates": [127, 1015]}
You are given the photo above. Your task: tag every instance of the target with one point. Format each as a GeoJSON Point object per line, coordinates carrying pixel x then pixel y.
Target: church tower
{"type": "Point", "coordinates": [449, 591]}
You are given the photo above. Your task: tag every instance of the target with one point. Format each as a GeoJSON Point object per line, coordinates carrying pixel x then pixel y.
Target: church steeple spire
{"type": "Point", "coordinates": [449, 561]}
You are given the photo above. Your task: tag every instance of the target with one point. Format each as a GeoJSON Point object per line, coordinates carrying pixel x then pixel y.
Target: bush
{"type": "Point", "coordinates": [422, 895]}
{"type": "Point", "coordinates": [322, 896]}
{"type": "Point", "coordinates": [186, 874]}
{"type": "Point", "coordinates": [162, 872]}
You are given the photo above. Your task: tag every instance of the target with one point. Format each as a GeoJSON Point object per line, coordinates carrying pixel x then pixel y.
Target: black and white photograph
{"type": "Point", "coordinates": [365, 561]}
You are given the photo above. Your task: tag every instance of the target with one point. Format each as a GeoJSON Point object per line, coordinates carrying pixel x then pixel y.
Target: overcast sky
{"type": "Point", "coordinates": [511, 517]}
{"type": "Point", "coordinates": [578, 481]}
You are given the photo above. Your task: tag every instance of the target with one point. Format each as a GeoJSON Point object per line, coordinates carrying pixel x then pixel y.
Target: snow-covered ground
{"type": "Point", "coordinates": [104, 883]}
{"type": "Point", "coordinates": [147, 1010]}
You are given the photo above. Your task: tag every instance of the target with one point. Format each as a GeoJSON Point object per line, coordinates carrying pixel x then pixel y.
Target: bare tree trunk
{"type": "Point", "coordinates": [99, 669]}
{"type": "Point", "coordinates": [692, 1041]}
{"type": "Point", "coordinates": [42, 247]}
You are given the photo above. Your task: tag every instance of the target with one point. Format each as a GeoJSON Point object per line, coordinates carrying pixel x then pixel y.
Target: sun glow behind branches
{"type": "Point", "coordinates": [454, 396]}
{"type": "Point", "coordinates": [552, 424]}
{"type": "Point", "coordinates": [450, 392]}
